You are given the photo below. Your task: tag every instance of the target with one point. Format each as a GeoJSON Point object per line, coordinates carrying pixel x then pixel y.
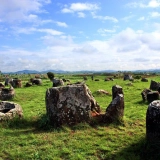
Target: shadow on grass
{"type": "Point", "coordinates": [141, 150]}
{"type": "Point", "coordinates": [17, 123]}
{"type": "Point", "coordinates": [43, 124]}
{"type": "Point", "coordinates": [142, 102]}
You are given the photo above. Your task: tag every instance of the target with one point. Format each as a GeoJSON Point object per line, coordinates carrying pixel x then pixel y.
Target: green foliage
{"type": "Point", "coordinates": [50, 75]}
{"type": "Point", "coordinates": [137, 77]}
{"type": "Point", "coordinates": [32, 137]}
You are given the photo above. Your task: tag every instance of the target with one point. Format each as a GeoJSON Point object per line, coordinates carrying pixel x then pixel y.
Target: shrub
{"type": "Point", "coordinates": [50, 75]}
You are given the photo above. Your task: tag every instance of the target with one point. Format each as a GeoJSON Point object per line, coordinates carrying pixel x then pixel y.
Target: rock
{"type": "Point", "coordinates": [103, 91]}
{"type": "Point", "coordinates": [153, 121]}
{"type": "Point", "coordinates": [35, 81]}
{"type": "Point", "coordinates": [16, 83]}
{"type": "Point", "coordinates": [151, 96]}
{"type": "Point", "coordinates": [154, 85]}
{"type": "Point", "coordinates": [1, 86]}
{"type": "Point", "coordinates": [144, 94]}
{"type": "Point", "coordinates": [116, 89]}
{"type": "Point", "coordinates": [127, 77]}
{"type": "Point", "coordinates": [57, 82]}
{"type": "Point", "coordinates": [115, 110]}
{"type": "Point", "coordinates": [9, 110]}
{"type": "Point", "coordinates": [144, 80]}
{"type": "Point", "coordinates": [7, 93]}
{"type": "Point", "coordinates": [28, 84]}
{"type": "Point", "coordinates": [70, 104]}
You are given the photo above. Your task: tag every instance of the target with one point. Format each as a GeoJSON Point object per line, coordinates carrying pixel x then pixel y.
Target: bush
{"type": "Point", "coordinates": [50, 75]}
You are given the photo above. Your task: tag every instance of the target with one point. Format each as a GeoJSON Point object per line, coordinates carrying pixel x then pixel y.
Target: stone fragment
{"type": "Point", "coordinates": [115, 110]}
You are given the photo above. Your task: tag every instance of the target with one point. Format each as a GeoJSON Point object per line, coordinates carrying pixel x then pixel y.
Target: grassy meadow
{"type": "Point", "coordinates": [32, 137]}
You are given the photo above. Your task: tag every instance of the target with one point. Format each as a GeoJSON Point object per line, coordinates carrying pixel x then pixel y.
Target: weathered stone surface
{"type": "Point", "coordinates": [144, 94]}
{"type": "Point", "coordinates": [115, 110]}
{"type": "Point", "coordinates": [35, 81]}
{"type": "Point", "coordinates": [7, 93]}
{"type": "Point", "coordinates": [9, 110]}
{"type": "Point", "coordinates": [153, 121]}
{"type": "Point", "coordinates": [127, 77]}
{"type": "Point", "coordinates": [151, 96]}
{"type": "Point", "coordinates": [28, 84]}
{"type": "Point", "coordinates": [116, 89]}
{"type": "Point", "coordinates": [103, 92]}
{"type": "Point", "coordinates": [16, 83]}
{"type": "Point", "coordinates": [1, 86]}
{"type": "Point", "coordinates": [154, 85]}
{"type": "Point", "coordinates": [144, 80]}
{"type": "Point", "coordinates": [70, 104]}
{"type": "Point", "coordinates": [57, 82]}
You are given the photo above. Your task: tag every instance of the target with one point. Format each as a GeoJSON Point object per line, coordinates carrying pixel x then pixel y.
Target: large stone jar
{"type": "Point", "coordinates": [70, 104]}
{"type": "Point", "coordinates": [153, 121]}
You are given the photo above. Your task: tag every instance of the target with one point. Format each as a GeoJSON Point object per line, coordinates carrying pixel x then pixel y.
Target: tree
{"type": "Point", "coordinates": [50, 75]}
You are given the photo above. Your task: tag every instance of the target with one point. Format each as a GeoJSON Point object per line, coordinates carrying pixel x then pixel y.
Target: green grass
{"type": "Point", "coordinates": [33, 138]}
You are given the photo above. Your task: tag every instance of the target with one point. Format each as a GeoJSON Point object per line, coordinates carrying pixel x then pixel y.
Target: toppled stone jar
{"type": "Point", "coordinates": [9, 110]}
{"type": "Point", "coordinates": [70, 104]}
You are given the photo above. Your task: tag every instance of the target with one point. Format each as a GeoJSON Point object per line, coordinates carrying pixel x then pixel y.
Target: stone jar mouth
{"type": "Point", "coordinates": [4, 108]}
{"type": "Point", "coordinates": [9, 110]}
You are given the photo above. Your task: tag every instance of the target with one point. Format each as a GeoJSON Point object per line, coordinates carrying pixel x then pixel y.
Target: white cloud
{"type": "Point", "coordinates": [77, 7]}
{"type": "Point", "coordinates": [154, 3]}
{"type": "Point", "coordinates": [105, 32]}
{"type": "Point", "coordinates": [50, 31]}
{"type": "Point", "coordinates": [61, 24]}
{"type": "Point", "coordinates": [127, 18]}
{"type": "Point", "coordinates": [20, 10]}
{"type": "Point", "coordinates": [141, 18]}
{"type": "Point", "coordinates": [81, 14]}
{"type": "Point", "coordinates": [104, 18]}
{"type": "Point", "coordinates": [155, 14]}
{"type": "Point", "coordinates": [18, 30]}
{"type": "Point", "coordinates": [127, 50]}
{"type": "Point", "coordinates": [150, 4]}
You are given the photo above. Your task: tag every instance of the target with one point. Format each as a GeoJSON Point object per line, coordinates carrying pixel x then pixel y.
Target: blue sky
{"type": "Point", "coordinates": [75, 35]}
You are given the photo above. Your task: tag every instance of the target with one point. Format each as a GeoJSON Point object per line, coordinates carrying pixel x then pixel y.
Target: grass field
{"type": "Point", "coordinates": [33, 138]}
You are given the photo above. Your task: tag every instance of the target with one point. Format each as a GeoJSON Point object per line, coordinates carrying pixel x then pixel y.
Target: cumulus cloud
{"type": "Point", "coordinates": [104, 18]}
{"type": "Point", "coordinates": [21, 10]}
{"type": "Point", "coordinates": [80, 8]}
{"type": "Point", "coordinates": [81, 14]}
{"type": "Point", "coordinates": [77, 7]}
{"type": "Point", "coordinates": [86, 49]}
{"type": "Point", "coordinates": [150, 4]}
{"type": "Point", "coordinates": [155, 14]}
{"type": "Point", "coordinates": [19, 30]}
{"type": "Point", "coordinates": [128, 50]}
{"type": "Point", "coordinates": [105, 32]}
{"type": "Point", "coordinates": [141, 18]}
{"type": "Point", "coordinates": [61, 24]}
{"type": "Point", "coordinates": [127, 18]}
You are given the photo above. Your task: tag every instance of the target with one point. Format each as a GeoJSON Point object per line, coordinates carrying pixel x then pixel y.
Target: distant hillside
{"type": "Point", "coordinates": [26, 72]}
{"type": "Point", "coordinates": [80, 72]}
